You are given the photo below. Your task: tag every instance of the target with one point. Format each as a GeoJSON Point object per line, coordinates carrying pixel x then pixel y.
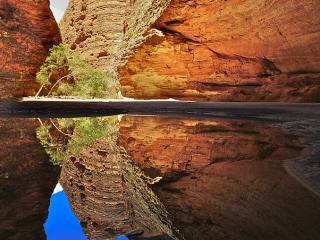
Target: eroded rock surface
{"type": "Point", "coordinates": [201, 49]}
{"type": "Point", "coordinates": [27, 31]}
{"type": "Point", "coordinates": [104, 32]}
{"type": "Point", "coordinates": [27, 180]}
{"type": "Point", "coordinates": [229, 51]}
{"type": "Point", "coordinates": [223, 179]}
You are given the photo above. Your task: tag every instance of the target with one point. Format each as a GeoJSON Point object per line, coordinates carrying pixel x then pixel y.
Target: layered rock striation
{"type": "Point", "coordinates": [105, 32]}
{"type": "Point", "coordinates": [201, 49]}
{"type": "Point", "coordinates": [229, 51]}
{"type": "Point", "coordinates": [27, 31]}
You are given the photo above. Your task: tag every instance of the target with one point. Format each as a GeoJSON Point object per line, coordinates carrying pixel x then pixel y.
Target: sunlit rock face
{"type": "Point", "coordinates": [229, 51]}
{"type": "Point", "coordinates": [223, 179]}
{"type": "Point", "coordinates": [27, 32]}
{"type": "Point", "coordinates": [92, 28]}
{"type": "Point", "coordinates": [27, 179]}
{"type": "Point", "coordinates": [200, 49]}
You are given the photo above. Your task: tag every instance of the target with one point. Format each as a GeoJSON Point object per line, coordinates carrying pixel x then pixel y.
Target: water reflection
{"type": "Point", "coordinates": [171, 177]}
{"type": "Point", "coordinates": [223, 179]}
{"type": "Point", "coordinates": [61, 223]}
{"type": "Point", "coordinates": [27, 180]}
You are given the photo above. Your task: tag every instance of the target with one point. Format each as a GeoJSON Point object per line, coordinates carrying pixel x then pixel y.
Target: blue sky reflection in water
{"type": "Point", "coordinates": [62, 224]}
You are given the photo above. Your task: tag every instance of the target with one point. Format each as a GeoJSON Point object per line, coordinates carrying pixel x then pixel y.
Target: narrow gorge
{"type": "Point", "coordinates": [191, 164]}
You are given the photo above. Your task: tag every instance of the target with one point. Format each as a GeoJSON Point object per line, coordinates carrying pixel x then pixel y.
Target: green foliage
{"type": "Point", "coordinates": [79, 79]}
{"type": "Point", "coordinates": [85, 131]}
{"type": "Point", "coordinates": [55, 62]}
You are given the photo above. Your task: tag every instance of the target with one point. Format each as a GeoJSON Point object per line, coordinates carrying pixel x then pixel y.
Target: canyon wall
{"type": "Point", "coordinates": [27, 32]}
{"type": "Point", "coordinates": [223, 179]}
{"type": "Point", "coordinates": [202, 49]}
{"type": "Point", "coordinates": [229, 51]}
{"type": "Point", "coordinates": [27, 178]}
{"type": "Point", "coordinates": [105, 32]}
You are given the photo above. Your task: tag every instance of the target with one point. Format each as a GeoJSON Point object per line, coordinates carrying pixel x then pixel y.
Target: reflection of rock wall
{"type": "Point", "coordinates": [176, 144]}
{"type": "Point", "coordinates": [108, 196]}
{"type": "Point", "coordinates": [229, 50]}
{"type": "Point", "coordinates": [27, 180]}
{"type": "Point", "coordinates": [223, 179]}
{"type": "Point", "coordinates": [27, 31]}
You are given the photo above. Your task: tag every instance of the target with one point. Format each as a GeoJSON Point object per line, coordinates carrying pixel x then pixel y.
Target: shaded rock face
{"type": "Point", "coordinates": [103, 33]}
{"type": "Point", "coordinates": [223, 179]}
{"type": "Point", "coordinates": [27, 179]}
{"type": "Point", "coordinates": [27, 31]}
{"type": "Point", "coordinates": [92, 29]}
{"type": "Point", "coordinates": [109, 197]}
{"type": "Point", "coordinates": [229, 51]}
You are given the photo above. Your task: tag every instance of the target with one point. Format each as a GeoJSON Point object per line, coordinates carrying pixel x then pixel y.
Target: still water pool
{"type": "Point", "coordinates": [158, 177]}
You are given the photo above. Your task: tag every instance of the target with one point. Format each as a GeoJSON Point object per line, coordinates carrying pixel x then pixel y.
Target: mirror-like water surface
{"type": "Point", "coordinates": [156, 177]}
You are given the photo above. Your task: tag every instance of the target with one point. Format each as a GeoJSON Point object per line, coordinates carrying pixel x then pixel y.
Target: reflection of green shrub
{"type": "Point", "coordinates": [85, 131]}
{"type": "Point", "coordinates": [55, 150]}
{"type": "Point", "coordinates": [76, 78]}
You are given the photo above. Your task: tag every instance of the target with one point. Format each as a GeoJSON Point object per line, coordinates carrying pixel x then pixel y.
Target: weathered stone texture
{"type": "Point", "coordinates": [229, 51]}
{"type": "Point", "coordinates": [201, 49]}
{"type": "Point", "coordinates": [103, 33]}
{"type": "Point", "coordinates": [27, 31]}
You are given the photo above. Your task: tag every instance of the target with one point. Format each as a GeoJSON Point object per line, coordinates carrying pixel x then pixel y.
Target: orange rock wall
{"type": "Point", "coordinates": [229, 51]}
{"type": "Point", "coordinates": [27, 31]}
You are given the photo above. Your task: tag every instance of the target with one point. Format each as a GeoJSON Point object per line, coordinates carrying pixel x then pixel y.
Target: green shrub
{"type": "Point", "coordinates": [79, 78]}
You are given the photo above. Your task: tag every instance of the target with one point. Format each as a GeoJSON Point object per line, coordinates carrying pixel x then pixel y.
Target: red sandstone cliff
{"type": "Point", "coordinates": [202, 50]}
{"type": "Point", "coordinates": [229, 51]}
{"type": "Point", "coordinates": [27, 32]}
